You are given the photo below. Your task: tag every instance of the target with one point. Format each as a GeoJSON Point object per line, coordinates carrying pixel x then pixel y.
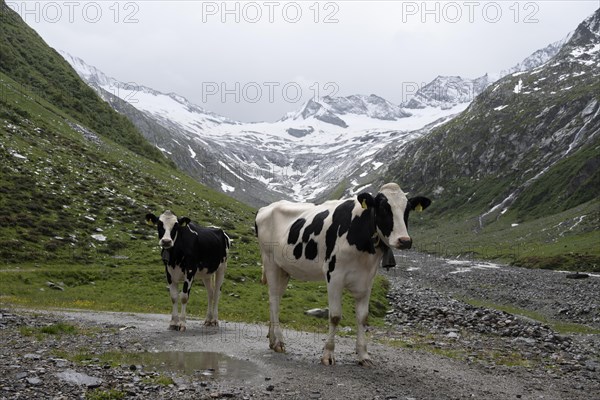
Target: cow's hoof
{"type": "Point", "coordinates": [173, 327]}
{"type": "Point", "coordinates": [328, 360]}
{"type": "Point", "coordinates": [367, 363]}
{"type": "Point", "coordinates": [182, 328]}
{"type": "Point", "coordinates": [277, 347]}
{"type": "Point", "coordinates": [211, 323]}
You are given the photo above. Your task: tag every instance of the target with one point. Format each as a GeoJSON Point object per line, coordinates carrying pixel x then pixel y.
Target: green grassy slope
{"type": "Point", "coordinates": [27, 59]}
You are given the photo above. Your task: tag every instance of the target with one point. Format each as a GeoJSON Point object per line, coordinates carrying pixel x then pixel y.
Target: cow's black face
{"type": "Point", "coordinates": [392, 208]}
{"type": "Point", "coordinates": [168, 226]}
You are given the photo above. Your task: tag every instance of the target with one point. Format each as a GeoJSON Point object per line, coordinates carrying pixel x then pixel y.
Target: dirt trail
{"type": "Point", "coordinates": [399, 374]}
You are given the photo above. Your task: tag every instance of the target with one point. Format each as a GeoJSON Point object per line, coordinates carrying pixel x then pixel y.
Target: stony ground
{"type": "Point", "coordinates": [435, 346]}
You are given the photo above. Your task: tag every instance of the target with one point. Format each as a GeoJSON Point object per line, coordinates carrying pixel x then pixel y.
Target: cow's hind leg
{"type": "Point", "coordinates": [334, 294]}
{"type": "Point", "coordinates": [213, 285]}
{"type": "Point", "coordinates": [219, 278]}
{"type": "Point", "coordinates": [277, 280]}
{"type": "Point", "coordinates": [185, 295]}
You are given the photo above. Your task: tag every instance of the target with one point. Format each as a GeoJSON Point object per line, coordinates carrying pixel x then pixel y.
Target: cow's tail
{"type": "Point", "coordinates": [213, 281]}
{"type": "Point", "coordinates": [227, 242]}
{"type": "Point", "coordinates": [263, 279]}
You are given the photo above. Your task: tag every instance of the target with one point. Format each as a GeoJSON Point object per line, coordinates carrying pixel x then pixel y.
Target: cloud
{"type": "Point", "coordinates": [361, 46]}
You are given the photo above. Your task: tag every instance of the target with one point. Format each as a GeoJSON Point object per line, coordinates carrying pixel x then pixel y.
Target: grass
{"type": "Point", "coordinates": [161, 380]}
{"type": "Point", "coordinates": [101, 394]}
{"type": "Point", "coordinates": [57, 329]}
{"type": "Point", "coordinates": [142, 288]}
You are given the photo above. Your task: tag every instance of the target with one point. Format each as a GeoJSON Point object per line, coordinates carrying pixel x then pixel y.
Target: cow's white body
{"type": "Point", "coordinates": [344, 259]}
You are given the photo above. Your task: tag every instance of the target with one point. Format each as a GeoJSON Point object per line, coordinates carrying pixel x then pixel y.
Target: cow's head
{"type": "Point", "coordinates": [168, 225]}
{"type": "Point", "coordinates": [391, 208]}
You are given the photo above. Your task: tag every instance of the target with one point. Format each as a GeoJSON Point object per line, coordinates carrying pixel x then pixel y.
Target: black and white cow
{"type": "Point", "coordinates": [341, 241]}
{"type": "Point", "coordinates": [189, 250]}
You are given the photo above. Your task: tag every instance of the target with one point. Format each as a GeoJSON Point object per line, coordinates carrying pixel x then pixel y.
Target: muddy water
{"type": "Point", "coordinates": [210, 364]}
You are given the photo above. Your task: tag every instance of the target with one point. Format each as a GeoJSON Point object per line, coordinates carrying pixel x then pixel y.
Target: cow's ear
{"type": "Point", "coordinates": [151, 219]}
{"type": "Point", "coordinates": [366, 200]}
{"type": "Point", "coordinates": [183, 221]}
{"type": "Point", "coordinates": [419, 203]}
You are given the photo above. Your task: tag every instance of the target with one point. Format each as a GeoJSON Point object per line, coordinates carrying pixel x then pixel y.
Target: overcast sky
{"type": "Point", "coordinates": [254, 61]}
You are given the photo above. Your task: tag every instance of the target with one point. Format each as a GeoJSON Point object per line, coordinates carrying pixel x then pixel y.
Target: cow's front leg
{"type": "Point", "coordinates": [362, 313]}
{"type": "Point", "coordinates": [185, 295]}
{"type": "Point", "coordinates": [334, 293]}
{"type": "Point", "coordinates": [174, 293]}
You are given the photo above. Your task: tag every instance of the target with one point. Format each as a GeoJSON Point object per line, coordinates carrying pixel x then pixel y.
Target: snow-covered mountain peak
{"type": "Point", "coordinates": [162, 106]}
{"type": "Point", "coordinates": [447, 91]}
{"type": "Point", "coordinates": [335, 110]}
{"type": "Point", "coordinates": [535, 59]}
{"type": "Point", "coordinates": [585, 42]}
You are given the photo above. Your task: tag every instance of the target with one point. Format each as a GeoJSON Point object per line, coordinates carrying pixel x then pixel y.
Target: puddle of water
{"type": "Point", "coordinates": [210, 364]}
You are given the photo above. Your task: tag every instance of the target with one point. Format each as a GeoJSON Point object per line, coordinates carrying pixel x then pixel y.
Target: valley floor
{"type": "Point", "coordinates": [446, 338]}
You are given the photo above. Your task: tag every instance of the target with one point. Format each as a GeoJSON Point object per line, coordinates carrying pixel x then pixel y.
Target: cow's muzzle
{"type": "Point", "coordinates": [404, 243]}
{"type": "Point", "coordinates": [166, 243]}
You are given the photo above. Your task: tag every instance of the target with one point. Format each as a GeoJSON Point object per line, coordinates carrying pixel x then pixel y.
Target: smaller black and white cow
{"type": "Point", "coordinates": [189, 250]}
{"type": "Point", "coordinates": [339, 241]}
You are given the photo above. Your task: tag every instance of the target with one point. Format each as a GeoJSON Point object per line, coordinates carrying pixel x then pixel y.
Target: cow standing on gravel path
{"type": "Point", "coordinates": [189, 250]}
{"type": "Point", "coordinates": [341, 241]}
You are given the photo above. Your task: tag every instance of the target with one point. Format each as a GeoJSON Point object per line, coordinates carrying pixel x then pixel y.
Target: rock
{"type": "Point", "coordinates": [318, 312]}
{"type": "Point", "coordinates": [75, 378]}
{"type": "Point", "coordinates": [591, 366]}
{"type": "Point", "coordinates": [577, 275]}
{"type": "Point", "coordinates": [34, 380]}
{"type": "Point", "coordinates": [54, 286]}
{"type": "Point", "coordinates": [20, 375]}
{"type": "Point", "coordinates": [453, 335]}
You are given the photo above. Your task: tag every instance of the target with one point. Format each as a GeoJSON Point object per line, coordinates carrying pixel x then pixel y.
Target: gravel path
{"type": "Point", "coordinates": [435, 346]}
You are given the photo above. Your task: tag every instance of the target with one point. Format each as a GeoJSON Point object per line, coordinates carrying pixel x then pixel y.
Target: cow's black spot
{"type": "Point", "coordinates": [330, 268]}
{"type": "Point", "coordinates": [311, 250]}
{"type": "Point", "coordinates": [298, 251]}
{"type": "Point", "coordinates": [316, 226]}
{"type": "Point", "coordinates": [340, 223]}
{"type": "Point", "coordinates": [185, 287]}
{"type": "Point", "coordinates": [295, 230]}
{"type": "Point", "coordinates": [161, 229]}
{"type": "Point", "coordinates": [384, 215]}
{"type": "Point", "coordinates": [360, 229]}
{"type": "Point", "coordinates": [198, 248]}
